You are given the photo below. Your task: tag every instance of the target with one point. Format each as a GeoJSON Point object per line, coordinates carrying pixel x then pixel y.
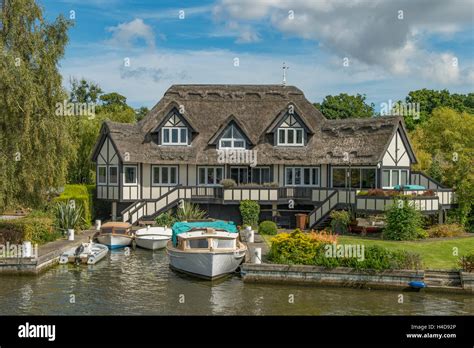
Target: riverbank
{"type": "Point", "coordinates": [435, 280]}
{"type": "Point", "coordinates": [48, 256]}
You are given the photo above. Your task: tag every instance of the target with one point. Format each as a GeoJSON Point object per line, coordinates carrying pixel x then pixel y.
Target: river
{"type": "Point", "coordinates": [142, 283]}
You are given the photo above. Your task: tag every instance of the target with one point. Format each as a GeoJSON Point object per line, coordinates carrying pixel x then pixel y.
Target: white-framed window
{"type": "Point", "coordinates": [113, 175]}
{"type": "Point", "coordinates": [174, 132]}
{"type": "Point", "coordinates": [302, 176]}
{"type": "Point", "coordinates": [290, 132]}
{"type": "Point", "coordinates": [102, 175]}
{"type": "Point", "coordinates": [130, 175]}
{"type": "Point", "coordinates": [394, 177]}
{"type": "Point", "coordinates": [232, 139]}
{"type": "Point", "coordinates": [164, 175]}
{"type": "Point", "coordinates": [210, 175]}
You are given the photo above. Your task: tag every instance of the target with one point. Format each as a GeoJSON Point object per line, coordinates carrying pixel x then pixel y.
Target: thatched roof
{"type": "Point", "coordinates": [255, 108]}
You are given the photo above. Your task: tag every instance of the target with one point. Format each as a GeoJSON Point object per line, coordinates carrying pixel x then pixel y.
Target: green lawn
{"type": "Point", "coordinates": [436, 253]}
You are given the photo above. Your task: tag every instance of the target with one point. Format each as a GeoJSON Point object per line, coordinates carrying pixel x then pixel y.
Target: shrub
{"type": "Point", "coordinates": [325, 237]}
{"type": "Point", "coordinates": [190, 211]}
{"type": "Point", "coordinates": [311, 249]}
{"type": "Point", "coordinates": [293, 248]}
{"type": "Point", "coordinates": [271, 184]}
{"type": "Point", "coordinates": [165, 219]}
{"type": "Point", "coordinates": [228, 183]}
{"type": "Point", "coordinates": [37, 229]}
{"type": "Point", "coordinates": [268, 227]}
{"type": "Point", "coordinates": [82, 195]}
{"type": "Point", "coordinates": [403, 221]}
{"type": "Point", "coordinates": [421, 233]}
{"type": "Point", "coordinates": [363, 193]}
{"type": "Point", "coordinates": [250, 211]}
{"type": "Point", "coordinates": [340, 221]}
{"type": "Point", "coordinates": [68, 215]}
{"type": "Point", "coordinates": [467, 262]}
{"type": "Point", "coordinates": [445, 230]}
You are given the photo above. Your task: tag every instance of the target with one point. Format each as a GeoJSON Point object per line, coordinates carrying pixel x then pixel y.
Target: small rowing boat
{"type": "Point", "coordinates": [153, 238]}
{"type": "Point", "coordinates": [86, 253]}
{"type": "Point", "coordinates": [115, 235]}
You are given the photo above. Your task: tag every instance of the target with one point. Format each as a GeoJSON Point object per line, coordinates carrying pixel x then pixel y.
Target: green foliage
{"type": "Point", "coordinates": [82, 195]}
{"type": "Point", "coordinates": [467, 262]}
{"type": "Point", "coordinates": [445, 143]}
{"type": "Point", "coordinates": [228, 183]}
{"type": "Point", "coordinates": [345, 106]}
{"type": "Point", "coordinates": [140, 113]}
{"type": "Point", "coordinates": [165, 219]}
{"type": "Point", "coordinates": [340, 221]}
{"type": "Point", "coordinates": [37, 229]}
{"type": "Point", "coordinates": [403, 221]}
{"type": "Point", "coordinates": [294, 248]}
{"type": "Point", "coordinates": [429, 100]}
{"type": "Point", "coordinates": [434, 170]}
{"type": "Point", "coordinates": [68, 215]}
{"type": "Point", "coordinates": [34, 144]}
{"type": "Point", "coordinates": [190, 211]}
{"type": "Point", "coordinates": [85, 130]}
{"type": "Point", "coordinates": [250, 211]}
{"type": "Point", "coordinates": [306, 249]}
{"type": "Point", "coordinates": [268, 227]}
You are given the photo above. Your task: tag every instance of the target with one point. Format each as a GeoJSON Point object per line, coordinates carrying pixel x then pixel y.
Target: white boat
{"type": "Point", "coordinates": [153, 238]}
{"type": "Point", "coordinates": [87, 253]}
{"type": "Point", "coordinates": [115, 235]}
{"type": "Point", "coordinates": [206, 252]}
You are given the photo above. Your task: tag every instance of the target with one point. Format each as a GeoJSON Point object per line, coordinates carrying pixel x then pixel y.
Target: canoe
{"type": "Point", "coordinates": [86, 253]}
{"type": "Point", "coordinates": [153, 238]}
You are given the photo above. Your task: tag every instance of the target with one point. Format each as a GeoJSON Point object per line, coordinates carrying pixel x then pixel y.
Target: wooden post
{"type": "Point", "coordinates": [256, 255]}
{"type": "Point", "coordinates": [114, 211]}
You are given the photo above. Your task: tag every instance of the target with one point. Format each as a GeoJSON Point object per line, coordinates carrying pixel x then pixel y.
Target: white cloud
{"type": "Point", "coordinates": [128, 33]}
{"type": "Point", "coordinates": [374, 33]}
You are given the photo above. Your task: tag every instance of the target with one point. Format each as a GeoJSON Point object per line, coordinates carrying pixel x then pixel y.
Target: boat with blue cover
{"type": "Point", "coordinates": [206, 249]}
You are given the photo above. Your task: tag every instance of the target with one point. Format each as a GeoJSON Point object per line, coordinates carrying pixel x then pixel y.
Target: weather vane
{"type": "Point", "coordinates": [285, 68]}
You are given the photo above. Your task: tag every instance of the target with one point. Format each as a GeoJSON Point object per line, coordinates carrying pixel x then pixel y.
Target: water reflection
{"type": "Point", "coordinates": [142, 283]}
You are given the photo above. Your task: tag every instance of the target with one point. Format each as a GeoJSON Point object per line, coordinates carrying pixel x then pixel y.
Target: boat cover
{"type": "Point", "coordinates": [183, 227]}
{"type": "Point", "coordinates": [408, 187]}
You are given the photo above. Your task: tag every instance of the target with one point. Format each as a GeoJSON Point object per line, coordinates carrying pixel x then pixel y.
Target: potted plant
{"type": "Point", "coordinates": [68, 217]}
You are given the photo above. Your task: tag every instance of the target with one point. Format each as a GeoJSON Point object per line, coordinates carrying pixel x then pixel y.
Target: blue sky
{"type": "Point", "coordinates": [391, 47]}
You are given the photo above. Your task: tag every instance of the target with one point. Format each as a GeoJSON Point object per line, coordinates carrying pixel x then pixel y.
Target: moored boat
{"type": "Point", "coordinates": [153, 238]}
{"type": "Point", "coordinates": [207, 250]}
{"type": "Point", "coordinates": [115, 235]}
{"type": "Point", "coordinates": [86, 253]}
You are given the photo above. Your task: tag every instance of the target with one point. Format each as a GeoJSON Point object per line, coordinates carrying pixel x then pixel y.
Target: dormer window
{"type": "Point", "coordinates": [174, 132]}
{"type": "Point", "coordinates": [290, 133]}
{"type": "Point", "coordinates": [232, 139]}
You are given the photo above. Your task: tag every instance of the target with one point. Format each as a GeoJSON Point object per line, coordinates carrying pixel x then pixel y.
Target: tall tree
{"type": "Point", "coordinates": [447, 139]}
{"type": "Point", "coordinates": [85, 128]}
{"type": "Point", "coordinates": [83, 91]}
{"type": "Point", "coordinates": [429, 99]}
{"type": "Point", "coordinates": [345, 106]}
{"type": "Point", "coordinates": [140, 113]}
{"type": "Point", "coordinates": [35, 143]}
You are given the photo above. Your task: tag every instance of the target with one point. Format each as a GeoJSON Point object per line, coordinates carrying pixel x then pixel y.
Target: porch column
{"type": "Point", "coordinates": [274, 209]}
{"type": "Point", "coordinates": [114, 211]}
